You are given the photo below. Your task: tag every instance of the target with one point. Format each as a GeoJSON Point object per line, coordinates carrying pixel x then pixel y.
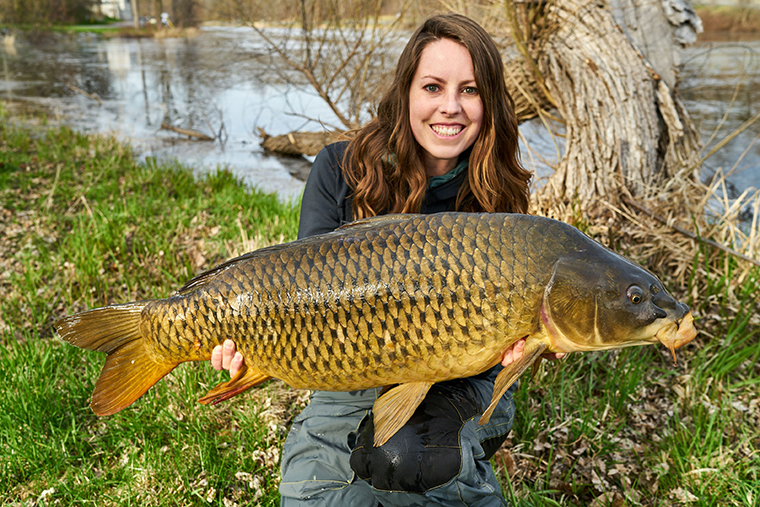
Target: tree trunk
{"type": "Point", "coordinates": [624, 125]}
{"type": "Point", "coordinates": [135, 13]}
{"type": "Point", "coordinates": [658, 30]}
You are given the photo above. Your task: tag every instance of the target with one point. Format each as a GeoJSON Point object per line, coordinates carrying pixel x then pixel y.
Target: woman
{"type": "Point", "coordinates": [445, 138]}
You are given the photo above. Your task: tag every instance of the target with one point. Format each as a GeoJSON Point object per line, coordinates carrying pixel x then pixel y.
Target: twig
{"type": "Point", "coordinates": [91, 96]}
{"type": "Point", "coordinates": [208, 123]}
{"type": "Point", "coordinates": [49, 200]}
{"type": "Point", "coordinates": [686, 233]}
{"type": "Point", "coordinates": [744, 126]}
{"type": "Point", "coordinates": [187, 132]}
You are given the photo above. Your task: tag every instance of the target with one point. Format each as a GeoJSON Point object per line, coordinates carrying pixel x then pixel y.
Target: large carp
{"type": "Point", "coordinates": [405, 300]}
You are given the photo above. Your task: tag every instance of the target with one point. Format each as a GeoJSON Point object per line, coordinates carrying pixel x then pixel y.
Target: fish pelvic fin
{"type": "Point", "coordinates": [510, 374]}
{"type": "Point", "coordinates": [393, 409]}
{"type": "Point", "coordinates": [244, 379]}
{"type": "Point", "coordinates": [130, 369]}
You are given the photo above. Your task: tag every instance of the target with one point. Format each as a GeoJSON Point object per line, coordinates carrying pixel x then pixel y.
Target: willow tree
{"type": "Point", "coordinates": [609, 70]}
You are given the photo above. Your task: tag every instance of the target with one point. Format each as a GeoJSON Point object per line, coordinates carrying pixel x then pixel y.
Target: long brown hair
{"type": "Point", "coordinates": [383, 164]}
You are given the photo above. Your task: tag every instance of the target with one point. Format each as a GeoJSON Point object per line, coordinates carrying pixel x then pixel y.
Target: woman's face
{"type": "Point", "coordinates": [445, 109]}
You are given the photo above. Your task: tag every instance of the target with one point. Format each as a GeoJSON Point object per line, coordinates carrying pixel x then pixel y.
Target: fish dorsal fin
{"type": "Point", "coordinates": [365, 223]}
{"type": "Point", "coordinates": [393, 409]}
{"type": "Point", "coordinates": [510, 373]}
{"type": "Point", "coordinates": [378, 221]}
{"type": "Point", "coordinates": [207, 276]}
{"type": "Point", "coordinates": [246, 378]}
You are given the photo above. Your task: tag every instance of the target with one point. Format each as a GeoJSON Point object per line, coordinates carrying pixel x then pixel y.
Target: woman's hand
{"type": "Point", "coordinates": [516, 350]}
{"type": "Point", "coordinates": [226, 357]}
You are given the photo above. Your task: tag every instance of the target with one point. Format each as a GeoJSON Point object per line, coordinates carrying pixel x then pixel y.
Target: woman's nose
{"type": "Point", "coordinates": [451, 104]}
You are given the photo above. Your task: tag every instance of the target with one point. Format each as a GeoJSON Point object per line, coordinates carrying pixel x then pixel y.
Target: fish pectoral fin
{"type": "Point", "coordinates": [510, 374]}
{"type": "Point", "coordinates": [536, 367]}
{"type": "Point", "coordinates": [244, 379]}
{"type": "Point", "coordinates": [393, 409]}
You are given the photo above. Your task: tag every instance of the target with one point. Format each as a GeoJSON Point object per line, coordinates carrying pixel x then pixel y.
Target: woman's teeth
{"type": "Point", "coordinates": [446, 131]}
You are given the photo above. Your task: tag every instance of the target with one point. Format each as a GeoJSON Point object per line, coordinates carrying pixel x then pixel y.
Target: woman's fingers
{"type": "Point", "coordinates": [228, 352]}
{"type": "Point", "coordinates": [236, 363]}
{"type": "Point", "coordinates": [216, 357]}
{"type": "Point", "coordinates": [226, 357]}
{"type": "Point", "coordinates": [517, 349]}
{"type": "Point", "coordinates": [513, 353]}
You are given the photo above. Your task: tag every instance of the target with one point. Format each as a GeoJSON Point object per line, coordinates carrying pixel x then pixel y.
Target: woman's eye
{"type": "Point", "coordinates": [431, 87]}
{"type": "Point", "coordinates": [471, 90]}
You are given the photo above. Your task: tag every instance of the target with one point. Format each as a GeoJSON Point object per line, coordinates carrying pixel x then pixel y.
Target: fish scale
{"type": "Point", "coordinates": [402, 299]}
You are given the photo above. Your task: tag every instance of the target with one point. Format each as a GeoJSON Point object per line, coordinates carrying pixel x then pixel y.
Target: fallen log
{"type": "Point", "coordinates": [187, 132]}
{"type": "Point", "coordinates": [298, 143]}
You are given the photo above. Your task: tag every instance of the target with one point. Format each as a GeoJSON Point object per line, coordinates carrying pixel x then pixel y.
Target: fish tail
{"type": "Point", "coordinates": [130, 369]}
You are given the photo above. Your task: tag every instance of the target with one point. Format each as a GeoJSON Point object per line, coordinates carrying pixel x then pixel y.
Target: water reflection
{"type": "Point", "coordinates": [223, 83]}
{"type": "Point", "coordinates": [721, 89]}
{"type": "Point", "coordinates": [215, 83]}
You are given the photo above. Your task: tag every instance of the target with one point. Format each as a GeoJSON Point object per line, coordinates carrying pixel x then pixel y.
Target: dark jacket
{"type": "Point", "coordinates": [326, 201]}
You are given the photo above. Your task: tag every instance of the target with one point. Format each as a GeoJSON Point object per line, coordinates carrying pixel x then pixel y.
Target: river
{"type": "Point", "coordinates": [221, 83]}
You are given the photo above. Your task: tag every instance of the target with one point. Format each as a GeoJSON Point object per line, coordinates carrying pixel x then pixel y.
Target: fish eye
{"type": "Point", "coordinates": [635, 294]}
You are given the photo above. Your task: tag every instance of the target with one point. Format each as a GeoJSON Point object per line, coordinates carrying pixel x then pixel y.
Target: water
{"type": "Point", "coordinates": [721, 90]}
{"type": "Point", "coordinates": [219, 83]}
{"type": "Point", "coordinates": [223, 83]}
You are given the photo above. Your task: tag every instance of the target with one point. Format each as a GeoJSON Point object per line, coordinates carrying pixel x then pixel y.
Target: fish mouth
{"type": "Point", "coordinates": [677, 334]}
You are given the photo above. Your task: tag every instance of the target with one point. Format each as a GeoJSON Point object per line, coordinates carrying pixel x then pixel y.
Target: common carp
{"type": "Point", "coordinates": [404, 300]}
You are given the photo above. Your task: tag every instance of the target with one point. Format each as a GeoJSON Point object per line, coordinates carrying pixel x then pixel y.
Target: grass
{"type": "Point", "coordinates": [86, 28]}
{"type": "Point", "coordinates": [83, 225]}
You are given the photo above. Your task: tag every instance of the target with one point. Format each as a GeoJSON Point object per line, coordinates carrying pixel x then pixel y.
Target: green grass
{"type": "Point", "coordinates": [99, 28]}
{"type": "Point", "coordinates": [83, 225]}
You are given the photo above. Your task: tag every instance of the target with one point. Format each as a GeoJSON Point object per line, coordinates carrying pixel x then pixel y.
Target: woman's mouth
{"type": "Point", "coordinates": [447, 130]}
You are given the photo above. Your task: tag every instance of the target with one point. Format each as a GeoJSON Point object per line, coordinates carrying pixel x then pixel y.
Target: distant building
{"type": "Point", "coordinates": [117, 9]}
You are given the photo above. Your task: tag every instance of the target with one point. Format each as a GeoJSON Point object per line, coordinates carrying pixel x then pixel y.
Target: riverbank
{"type": "Point", "coordinates": [718, 21]}
{"type": "Point", "coordinates": [106, 30]}
{"type": "Point", "coordinates": [85, 225]}
{"type": "Point", "coordinates": [728, 21]}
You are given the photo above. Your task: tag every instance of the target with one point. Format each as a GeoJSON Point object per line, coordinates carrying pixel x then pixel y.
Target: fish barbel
{"type": "Point", "coordinates": [405, 300]}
